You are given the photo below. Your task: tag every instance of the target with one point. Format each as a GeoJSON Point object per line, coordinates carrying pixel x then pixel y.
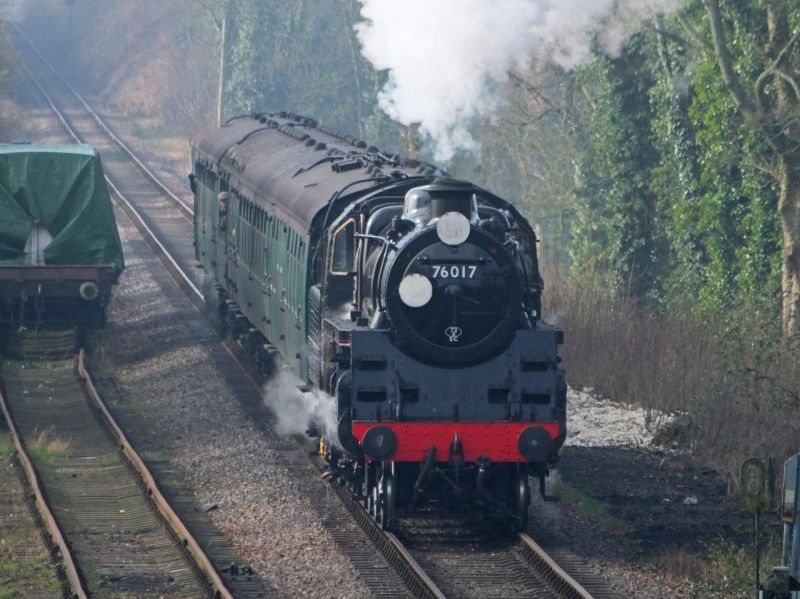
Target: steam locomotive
{"type": "Point", "coordinates": [412, 298]}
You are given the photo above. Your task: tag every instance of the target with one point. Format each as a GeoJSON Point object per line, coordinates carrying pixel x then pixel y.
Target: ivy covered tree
{"type": "Point", "coordinates": [616, 229]}
{"type": "Point", "coordinates": [755, 47]}
{"type": "Point", "coordinates": [304, 57]}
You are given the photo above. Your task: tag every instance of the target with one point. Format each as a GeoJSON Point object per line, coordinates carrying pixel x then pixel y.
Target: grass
{"type": "Point", "coordinates": [45, 447]}
{"type": "Point", "coordinates": [726, 570]}
{"type": "Point", "coordinates": [9, 574]}
{"type": "Point", "coordinates": [592, 509]}
{"type": "Point", "coordinates": [15, 579]}
{"type": "Point", "coordinates": [6, 446]}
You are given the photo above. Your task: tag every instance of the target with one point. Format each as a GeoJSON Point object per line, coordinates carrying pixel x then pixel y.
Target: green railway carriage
{"type": "Point", "coordinates": [259, 244]}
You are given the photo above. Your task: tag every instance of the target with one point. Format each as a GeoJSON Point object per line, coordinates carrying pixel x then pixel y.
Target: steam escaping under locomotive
{"type": "Point", "coordinates": [412, 298]}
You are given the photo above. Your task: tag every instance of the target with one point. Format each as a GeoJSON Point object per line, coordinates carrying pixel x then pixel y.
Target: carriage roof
{"type": "Point", "coordinates": [302, 166]}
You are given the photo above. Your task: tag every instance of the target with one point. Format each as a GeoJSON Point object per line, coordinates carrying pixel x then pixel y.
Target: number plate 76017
{"type": "Point", "coordinates": [454, 271]}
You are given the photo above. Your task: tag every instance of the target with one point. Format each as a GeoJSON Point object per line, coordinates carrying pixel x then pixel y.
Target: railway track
{"type": "Point", "coordinates": [28, 564]}
{"type": "Point", "coordinates": [421, 562]}
{"type": "Point", "coordinates": [115, 532]}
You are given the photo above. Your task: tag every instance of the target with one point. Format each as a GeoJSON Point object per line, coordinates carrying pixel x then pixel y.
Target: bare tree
{"type": "Point", "coordinates": [219, 11]}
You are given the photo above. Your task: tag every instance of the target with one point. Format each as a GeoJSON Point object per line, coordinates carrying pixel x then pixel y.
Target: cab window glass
{"type": "Point", "coordinates": [343, 249]}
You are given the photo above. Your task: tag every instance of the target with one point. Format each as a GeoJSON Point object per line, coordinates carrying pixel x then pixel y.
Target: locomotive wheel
{"type": "Point", "coordinates": [373, 501]}
{"type": "Point", "coordinates": [522, 499]}
{"type": "Point", "coordinates": [366, 486]}
{"type": "Point", "coordinates": [388, 501]}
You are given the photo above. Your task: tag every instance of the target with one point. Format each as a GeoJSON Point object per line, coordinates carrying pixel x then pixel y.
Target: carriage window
{"type": "Point", "coordinates": [343, 249]}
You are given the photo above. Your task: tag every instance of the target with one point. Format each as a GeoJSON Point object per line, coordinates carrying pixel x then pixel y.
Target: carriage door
{"type": "Point", "coordinates": [229, 232]}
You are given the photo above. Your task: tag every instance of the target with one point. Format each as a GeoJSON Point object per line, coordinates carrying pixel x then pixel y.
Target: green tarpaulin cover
{"type": "Point", "coordinates": [60, 188]}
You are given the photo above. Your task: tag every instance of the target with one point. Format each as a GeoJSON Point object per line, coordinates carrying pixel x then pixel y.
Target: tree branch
{"type": "Point", "coordinates": [664, 33]}
{"type": "Point", "coordinates": [696, 38]}
{"type": "Point", "coordinates": [790, 81]}
{"type": "Point", "coordinates": [533, 90]}
{"type": "Point", "coordinates": [786, 49]}
{"type": "Point", "coordinates": [725, 62]}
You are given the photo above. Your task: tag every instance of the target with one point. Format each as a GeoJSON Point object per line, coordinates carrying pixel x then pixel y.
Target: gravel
{"type": "Point", "coordinates": [156, 354]}
{"type": "Point", "coordinates": [158, 351]}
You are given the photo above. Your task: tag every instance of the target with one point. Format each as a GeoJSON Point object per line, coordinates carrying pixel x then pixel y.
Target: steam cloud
{"type": "Point", "coordinates": [296, 410]}
{"type": "Point", "coordinates": [448, 59]}
{"type": "Point", "coordinates": [13, 11]}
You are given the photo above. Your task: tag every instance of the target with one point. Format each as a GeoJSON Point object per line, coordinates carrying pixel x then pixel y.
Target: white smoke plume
{"type": "Point", "coordinates": [295, 410]}
{"type": "Point", "coordinates": [13, 11]}
{"type": "Point", "coordinates": [448, 59]}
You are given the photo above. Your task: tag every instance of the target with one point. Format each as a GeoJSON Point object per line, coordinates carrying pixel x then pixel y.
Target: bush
{"type": "Point", "coordinates": [734, 382]}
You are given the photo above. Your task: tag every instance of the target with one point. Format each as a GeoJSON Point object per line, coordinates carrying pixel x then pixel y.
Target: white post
{"type": "Point", "coordinates": [222, 52]}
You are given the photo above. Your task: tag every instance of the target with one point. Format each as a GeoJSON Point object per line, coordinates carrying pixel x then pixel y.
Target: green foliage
{"type": "Point", "coordinates": [8, 60]}
{"type": "Point", "coordinates": [304, 57]}
{"type": "Point", "coordinates": [615, 230]}
{"type": "Point", "coordinates": [730, 572]}
{"type": "Point", "coordinates": [675, 193]}
{"type": "Point", "coordinates": [727, 237]}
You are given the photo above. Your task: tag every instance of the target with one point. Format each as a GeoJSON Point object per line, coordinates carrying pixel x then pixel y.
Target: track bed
{"type": "Point", "coordinates": [26, 566]}
{"type": "Point", "coordinates": [120, 544]}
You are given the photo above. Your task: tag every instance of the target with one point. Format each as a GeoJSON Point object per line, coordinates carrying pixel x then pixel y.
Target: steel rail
{"type": "Point", "coordinates": [550, 571]}
{"type": "Point", "coordinates": [414, 565]}
{"type": "Point", "coordinates": [153, 490]}
{"type": "Point", "coordinates": [432, 588]}
{"type": "Point", "coordinates": [67, 559]}
{"type": "Point", "coordinates": [183, 206]}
